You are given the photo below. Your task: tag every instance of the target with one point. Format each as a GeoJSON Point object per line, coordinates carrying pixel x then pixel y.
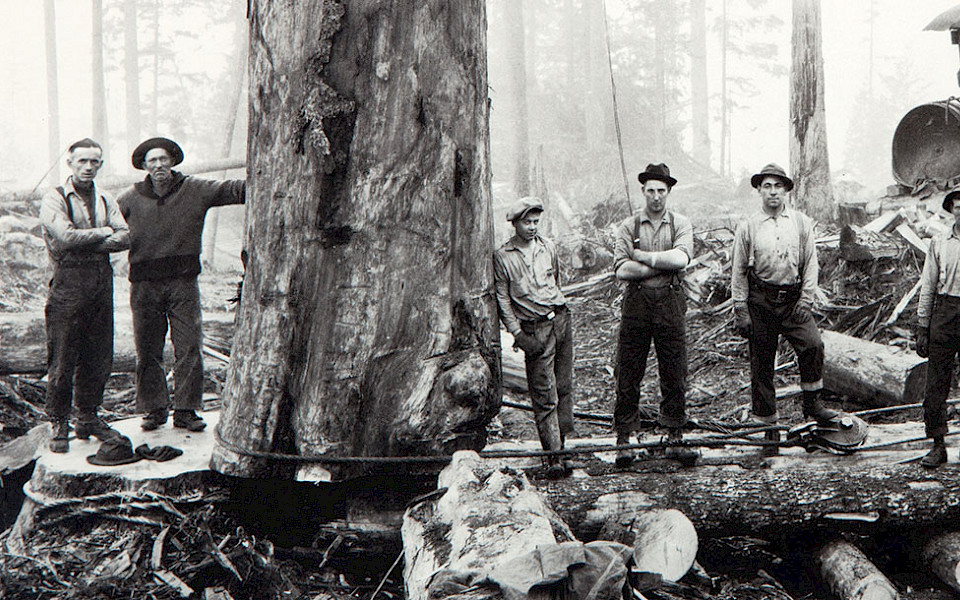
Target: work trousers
{"type": "Point", "coordinates": [651, 315]}
{"type": "Point", "coordinates": [79, 336]}
{"type": "Point", "coordinates": [550, 378]}
{"type": "Point", "coordinates": [155, 304]}
{"type": "Point", "coordinates": [771, 309]}
{"type": "Point", "coordinates": [944, 346]}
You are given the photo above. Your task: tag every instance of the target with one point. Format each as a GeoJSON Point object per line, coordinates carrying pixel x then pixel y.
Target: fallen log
{"type": "Point", "coordinates": [764, 498]}
{"type": "Point", "coordinates": [665, 542]}
{"type": "Point", "coordinates": [942, 553]}
{"type": "Point", "coordinates": [850, 575]}
{"type": "Point", "coordinates": [876, 374]}
{"type": "Point", "coordinates": [23, 347]}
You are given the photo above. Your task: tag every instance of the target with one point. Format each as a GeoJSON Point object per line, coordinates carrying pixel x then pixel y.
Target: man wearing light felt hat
{"type": "Point", "coordinates": [526, 273]}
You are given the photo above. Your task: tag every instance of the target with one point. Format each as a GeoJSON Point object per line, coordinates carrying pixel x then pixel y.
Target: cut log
{"type": "Point", "coordinates": [850, 575]}
{"type": "Point", "coordinates": [736, 492]}
{"type": "Point", "coordinates": [875, 374]}
{"type": "Point", "coordinates": [23, 347]}
{"type": "Point", "coordinates": [942, 553]}
{"type": "Point", "coordinates": [665, 542]}
{"type": "Point", "coordinates": [489, 524]}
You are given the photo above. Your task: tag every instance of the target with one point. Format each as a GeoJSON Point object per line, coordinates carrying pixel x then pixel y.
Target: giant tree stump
{"type": "Point", "coordinates": [875, 374]}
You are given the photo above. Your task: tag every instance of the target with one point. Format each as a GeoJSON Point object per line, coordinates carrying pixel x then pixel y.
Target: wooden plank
{"type": "Point", "coordinates": [902, 305]}
{"type": "Point", "coordinates": [907, 233]}
{"type": "Point", "coordinates": [885, 222]}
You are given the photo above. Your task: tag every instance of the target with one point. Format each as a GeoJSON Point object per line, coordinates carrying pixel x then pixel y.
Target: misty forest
{"type": "Point", "coordinates": [374, 421]}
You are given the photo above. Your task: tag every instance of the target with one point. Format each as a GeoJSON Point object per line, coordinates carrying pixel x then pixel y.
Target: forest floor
{"type": "Point", "coordinates": [718, 389]}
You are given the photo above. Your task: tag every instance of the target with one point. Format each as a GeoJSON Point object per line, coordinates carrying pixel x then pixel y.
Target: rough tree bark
{"type": "Point", "coordinates": [850, 575]}
{"type": "Point", "coordinates": [809, 161]}
{"type": "Point", "coordinates": [367, 326]}
{"type": "Point", "coordinates": [876, 374]}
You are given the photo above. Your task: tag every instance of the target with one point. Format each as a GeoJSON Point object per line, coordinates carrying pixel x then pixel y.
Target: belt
{"type": "Point", "coordinates": [776, 293]}
{"type": "Point", "coordinates": [557, 310]}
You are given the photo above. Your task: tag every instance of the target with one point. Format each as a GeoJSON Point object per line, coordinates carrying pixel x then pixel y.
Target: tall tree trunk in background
{"type": "Point", "coordinates": [238, 75]}
{"type": "Point", "coordinates": [809, 162]}
{"type": "Point", "coordinates": [597, 71]}
{"type": "Point", "coordinates": [53, 89]}
{"type": "Point", "coordinates": [517, 58]}
{"type": "Point", "coordinates": [698, 82]}
{"type": "Point", "coordinates": [155, 98]}
{"type": "Point", "coordinates": [573, 25]}
{"type": "Point", "coordinates": [660, 83]}
{"type": "Point", "coordinates": [724, 98]}
{"type": "Point", "coordinates": [100, 132]}
{"type": "Point", "coordinates": [131, 73]}
{"type": "Point", "coordinates": [367, 326]}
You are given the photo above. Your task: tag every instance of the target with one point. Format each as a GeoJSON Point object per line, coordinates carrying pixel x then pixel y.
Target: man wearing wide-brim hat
{"type": "Point", "coordinates": [165, 213]}
{"type": "Point", "coordinates": [938, 328]}
{"type": "Point", "coordinates": [651, 249]}
{"type": "Point", "coordinates": [526, 276]}
{"type": "Point", "coordinates": [773, 285]}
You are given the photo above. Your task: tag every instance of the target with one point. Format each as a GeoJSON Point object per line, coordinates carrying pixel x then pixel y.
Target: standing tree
{"type": "Point", "coordinates": [53, 88]}
{"type": "Point", "coordinates": [808, 141]}
{"type": "Point", "coordinates": [698, 82]}
{"type": "Point", "coordinates": [99, 86]}
{"type": "Point", "coordinates": [131, 72]}
{"type": "Point", "coordinates": [518, 95]}
{"type": "Point", "coordinates": [367, 326]}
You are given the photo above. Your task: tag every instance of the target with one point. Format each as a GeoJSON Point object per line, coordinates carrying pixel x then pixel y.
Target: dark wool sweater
{"type": "Point", "coordinates": [165, 232]}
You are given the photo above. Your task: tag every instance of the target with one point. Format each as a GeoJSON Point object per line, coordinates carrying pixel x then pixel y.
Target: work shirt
{"type": "Point", "coordinates": [527, 282]}
{"type": "Point", "coordinates": [166, 231]}
{"type": "Point", "coordinates": [674, 231]}
{"type": "Point", "coordinates": [777, 248]}
{"type": "Point", "coordinates": [73, 232]}
{"type": "Point", "coordinates": [941, 272]}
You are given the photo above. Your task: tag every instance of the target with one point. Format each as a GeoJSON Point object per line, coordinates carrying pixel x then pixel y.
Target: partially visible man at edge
{"type": "Point", "coordinates": [81, 225]}
{"type": "Point", "coordinates": [165, 213]}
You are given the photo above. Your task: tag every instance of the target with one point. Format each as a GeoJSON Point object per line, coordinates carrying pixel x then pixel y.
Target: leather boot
{"type": "Point", "coordinates": [624, 456]}
{"type": "Point", "coordinates": [189, 420]}
{"type": "Point", "coordinates": [813, 408]}
{"type": "Point", "coordinates": [90, 424]}
{"type": "Point", "coordinates": [60, 442]}
{"type": "Point", "coordinates": [771, 436]}
{"type": "Point", "coordinates": [937, 455]}
{"type": "Point", "coordinates": [687, 456]}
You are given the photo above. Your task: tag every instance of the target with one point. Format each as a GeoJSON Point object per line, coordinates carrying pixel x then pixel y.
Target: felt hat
{"type": "Point", "coordinates": [114, 451]}
{"type": "Point", "coordinates": [176, 153]}
{"type": "Point", "coordinates": [521, 207]}
{"type": "Point", "coordinates": [660, 172]}
{"type": "Point", "coordinates": [948, 200]}
{"type": "Point", "coordinates": [771, 170]}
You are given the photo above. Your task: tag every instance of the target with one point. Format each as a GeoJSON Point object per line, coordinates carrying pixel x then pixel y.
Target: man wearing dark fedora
{"type": "Point", "coordinates": [773, 285]}
{"type": "Point", "coordinates": [651, 249]}
{"type": "Point", "coordinates": [938, 328]}
{"type": "Point", "coordinates": [526, 275]}
{"type": "Point", "coordinates": [165, 213]}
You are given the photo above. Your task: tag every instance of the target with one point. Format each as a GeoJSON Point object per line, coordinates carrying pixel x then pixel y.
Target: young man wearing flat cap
{"type": "Point", "coordinates": [165, 213]}
{"type": "Point", "coordinates": [651, 250]}
{"type": "Point", "coordinates": [773, 284]}
{"type": "Point", "coordinates": [938, 328]}
{"type": "Point", "coordinates": [526, 274]}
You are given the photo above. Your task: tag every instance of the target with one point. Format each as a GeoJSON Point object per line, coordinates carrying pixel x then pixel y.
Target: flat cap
{"type": "Point", "coordinates": [521, 207]}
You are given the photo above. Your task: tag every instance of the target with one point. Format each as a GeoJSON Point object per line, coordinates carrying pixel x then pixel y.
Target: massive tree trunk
{"type": "Point", "coordinates": [53, 87]}
{"type": "Point", "coordinates": [367, 326]}
{"type": "Point", "coordinates": [517, 59]}
{"type": "Point", "coordinates": [698, 82]}
{"type": "Point", "coordinates": [809, 162]}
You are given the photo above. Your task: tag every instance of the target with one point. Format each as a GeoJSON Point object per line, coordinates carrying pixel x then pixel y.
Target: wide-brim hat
{"type": "Point", "coordinates": [660, 172]}
{"type": "Point", "coordinates": [114, 451]}
{"type": "Point", "coordinates": [521, 207]}
{"type": "Point", "coordinates": [948, 200]}
{"type": "Point", "coordinates": [176, 153]}
{"type": "Point", "coordinates": [771, 170]}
